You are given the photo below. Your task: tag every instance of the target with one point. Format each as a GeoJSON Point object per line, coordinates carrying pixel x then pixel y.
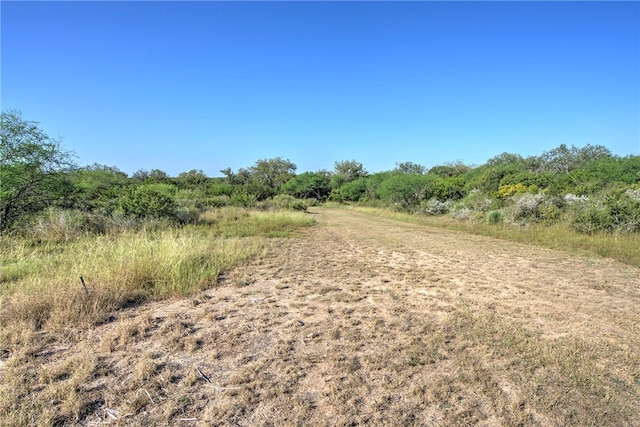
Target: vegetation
{"type": "Point", "coordinates": [588, 189]}
{"type": "Point", "coordinates": [61, 275]}
{"type": "Point", "coordinates": [32, 169]}
{"type": "Point", "coordinates": [80, 244]}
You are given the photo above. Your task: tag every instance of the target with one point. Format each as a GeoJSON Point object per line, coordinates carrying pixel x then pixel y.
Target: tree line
{"type": "Point", "coordinates": [587, 187]}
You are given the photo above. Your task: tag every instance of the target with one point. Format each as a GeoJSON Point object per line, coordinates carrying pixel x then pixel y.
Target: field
{"type": "Point", "coordinates": [357, 320]}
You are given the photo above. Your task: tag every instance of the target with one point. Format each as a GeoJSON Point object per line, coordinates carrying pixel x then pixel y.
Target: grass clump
{"type": "Point", "coordinates": [495, 217]}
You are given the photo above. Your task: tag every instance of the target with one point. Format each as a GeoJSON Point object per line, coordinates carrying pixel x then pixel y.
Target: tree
{"type": "Point", "coordinates": [158, 175]}
{"type": "Point", "coordinates": [562, 159]}
{"type": "Point", "coordinates": [410, 167]}
{"type": "Point", "coordinates": [193, 178]}
{"type": "Point", "coordinates": [271, 174]}
{"type": "Point", "coordinates": [149, 200]}
{"type": "Point", "coordinates": [405, 190]}
{"type": "Point", "coordinates": [308, 185]}
{"type": "Point", "coordinates": [450, 169]}
{"type": "Point", "coordinates": [141, 175]}
{"type": "Point", "coordinates": [350, 170]}
{"type": "Point", "coordinates": [505, 159]}
{"type": "Point", "coordinates": [33, 169]}
{"type": "Point", "coordinates": [352, 191]}
{"type": "Point", "coordinates": [93, 183]}
{"type": "Point", "coordinates": [263, 179]}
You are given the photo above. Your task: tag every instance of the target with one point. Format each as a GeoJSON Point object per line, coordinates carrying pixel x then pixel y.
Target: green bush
{"type": "Point", "coordinates": [308, 185]}
{"type": "Point", "coordinates": [285, 201]}
{"type": "Point", "coordinates": [618, 213]}
{"type": "Point", "coordinates": [218, 201]}
{"type": "Point", "coordinates": [149, 200]}
{"type": "Point", "coordinates": [495, 217]}
{"type": "Point", "coordinates": [593, 218]}
{"type": "Point", "coordinates": [444, 189]}
{"type": "Point", "coordinates": [404, 190]}
{"type": "Point", "coordinates": [243, 198]}
{"type": "Point", "coordinates": [624, 212]}
{"type": "Point", "coordinates": [351, 191]}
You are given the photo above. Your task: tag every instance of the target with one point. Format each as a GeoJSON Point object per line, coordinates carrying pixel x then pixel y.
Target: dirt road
{"type": "Point", "coordinates": [366, 320]}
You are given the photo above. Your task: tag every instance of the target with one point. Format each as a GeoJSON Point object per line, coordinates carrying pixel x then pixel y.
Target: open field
{"type": "Point", "coordinates": [358, 320]}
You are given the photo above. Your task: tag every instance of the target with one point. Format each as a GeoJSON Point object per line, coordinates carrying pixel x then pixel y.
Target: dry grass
{"type": "Point", "coordinates": [621, 247]}
{"type": "Point", "coordinates": [45, 308]}
{"type": "Point", "coordinates": [361, 320]}
{"type": "Point", "coordinates": [41, 280]}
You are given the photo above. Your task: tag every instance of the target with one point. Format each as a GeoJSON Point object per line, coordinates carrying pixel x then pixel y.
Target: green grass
{"type": "Point", "coordinates": [238, 222]}
{"type": "Point", "coordinates": [40, 279]}
{"type": "Point", "coordinates": [621, 247]}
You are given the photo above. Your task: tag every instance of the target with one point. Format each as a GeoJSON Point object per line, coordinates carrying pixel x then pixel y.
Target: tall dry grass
{"type": "Point", "coordinates": [40, 283]}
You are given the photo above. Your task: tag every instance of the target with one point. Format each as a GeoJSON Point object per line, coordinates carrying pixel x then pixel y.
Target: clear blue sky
{"type": "Point", "coordinates": [208, 85]}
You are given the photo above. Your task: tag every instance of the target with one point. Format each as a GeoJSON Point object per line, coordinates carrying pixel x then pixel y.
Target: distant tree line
{"type": "Point", "coordinates": [587, 187]}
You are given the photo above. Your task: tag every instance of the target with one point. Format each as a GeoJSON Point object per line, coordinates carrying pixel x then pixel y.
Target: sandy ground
{"type": "Point", "coordinates": [365, 320]}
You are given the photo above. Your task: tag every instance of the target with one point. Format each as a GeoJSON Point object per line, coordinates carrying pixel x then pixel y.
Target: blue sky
{"type": "Point", "coordinates": [208, 85]}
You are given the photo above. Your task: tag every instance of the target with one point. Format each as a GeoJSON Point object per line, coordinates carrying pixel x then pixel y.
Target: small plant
{"type": "Point", "coordinates": [435, 207]}
{"type": "Point", "coordinates": [463, 213]}
{"type": "Point", "coordinates": [528, 205]}
{"type": "Point", "coordinates": [477, 201]}
{"type": "Point", "coordinates": [495, 217]}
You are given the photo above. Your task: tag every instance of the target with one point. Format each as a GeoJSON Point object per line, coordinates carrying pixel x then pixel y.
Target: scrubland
{"type": "Point", "coordinates": [360, 319]}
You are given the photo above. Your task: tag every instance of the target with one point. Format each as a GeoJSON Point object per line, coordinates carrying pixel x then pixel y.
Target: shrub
{"type": "Point", "coordinates": [519, 188]}
{"type": "Point", "coordinates": [572, 199]}
{"type": "Point", "coordinates": [549, 213]}
{"type": "Point", "coordinates": [218, 201]}
{"type": "Point", "coordinates": [405, 190]}
{"type": "Point", "coordinates": [434, 206]}
{"type": "Point", "coordinates": [528, 205]}
{"type": "Point", "coordinates": [243, 199]}
{"type": "Point", "coordinates": [462, 213]}
{"type": "Point", "coordinates": [149, 200]}
{"type": "Point", "coordinates": [633, 193]}
{"type": "Point", "coordinates": [624, 212]}
{"type": "Point", "coordinates": [477, 201]}
{"type": "Point", "coordinates": [495, 217]}
{"type": "Point", "coordinates": [617, 213]}
{"type": "Point", "coordinates": [451, 188]}
{"type": "Point", "coordinates": [187, 214]}
{"type": "Point", "coordinates": [350, 191]}
{"type": "Point", "coordinates": [591, 219]}
{"type": "Point", "coordinates": [114, 223]}
{"type": "Point", "coordinates": [285, 201]}
{"type": "Point", "coordinates": [311, 202]}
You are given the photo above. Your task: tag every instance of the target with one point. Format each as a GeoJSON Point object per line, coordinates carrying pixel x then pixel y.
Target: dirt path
{"type": "Point", "coordinates": [366, 320]}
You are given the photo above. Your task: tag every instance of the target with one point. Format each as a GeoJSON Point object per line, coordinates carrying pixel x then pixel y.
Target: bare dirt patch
{"type": "Point", "coordinates": [359, 320]}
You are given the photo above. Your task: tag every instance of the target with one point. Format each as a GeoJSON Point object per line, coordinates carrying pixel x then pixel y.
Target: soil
{"type": "Point", "coordinates": [367, 320]}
